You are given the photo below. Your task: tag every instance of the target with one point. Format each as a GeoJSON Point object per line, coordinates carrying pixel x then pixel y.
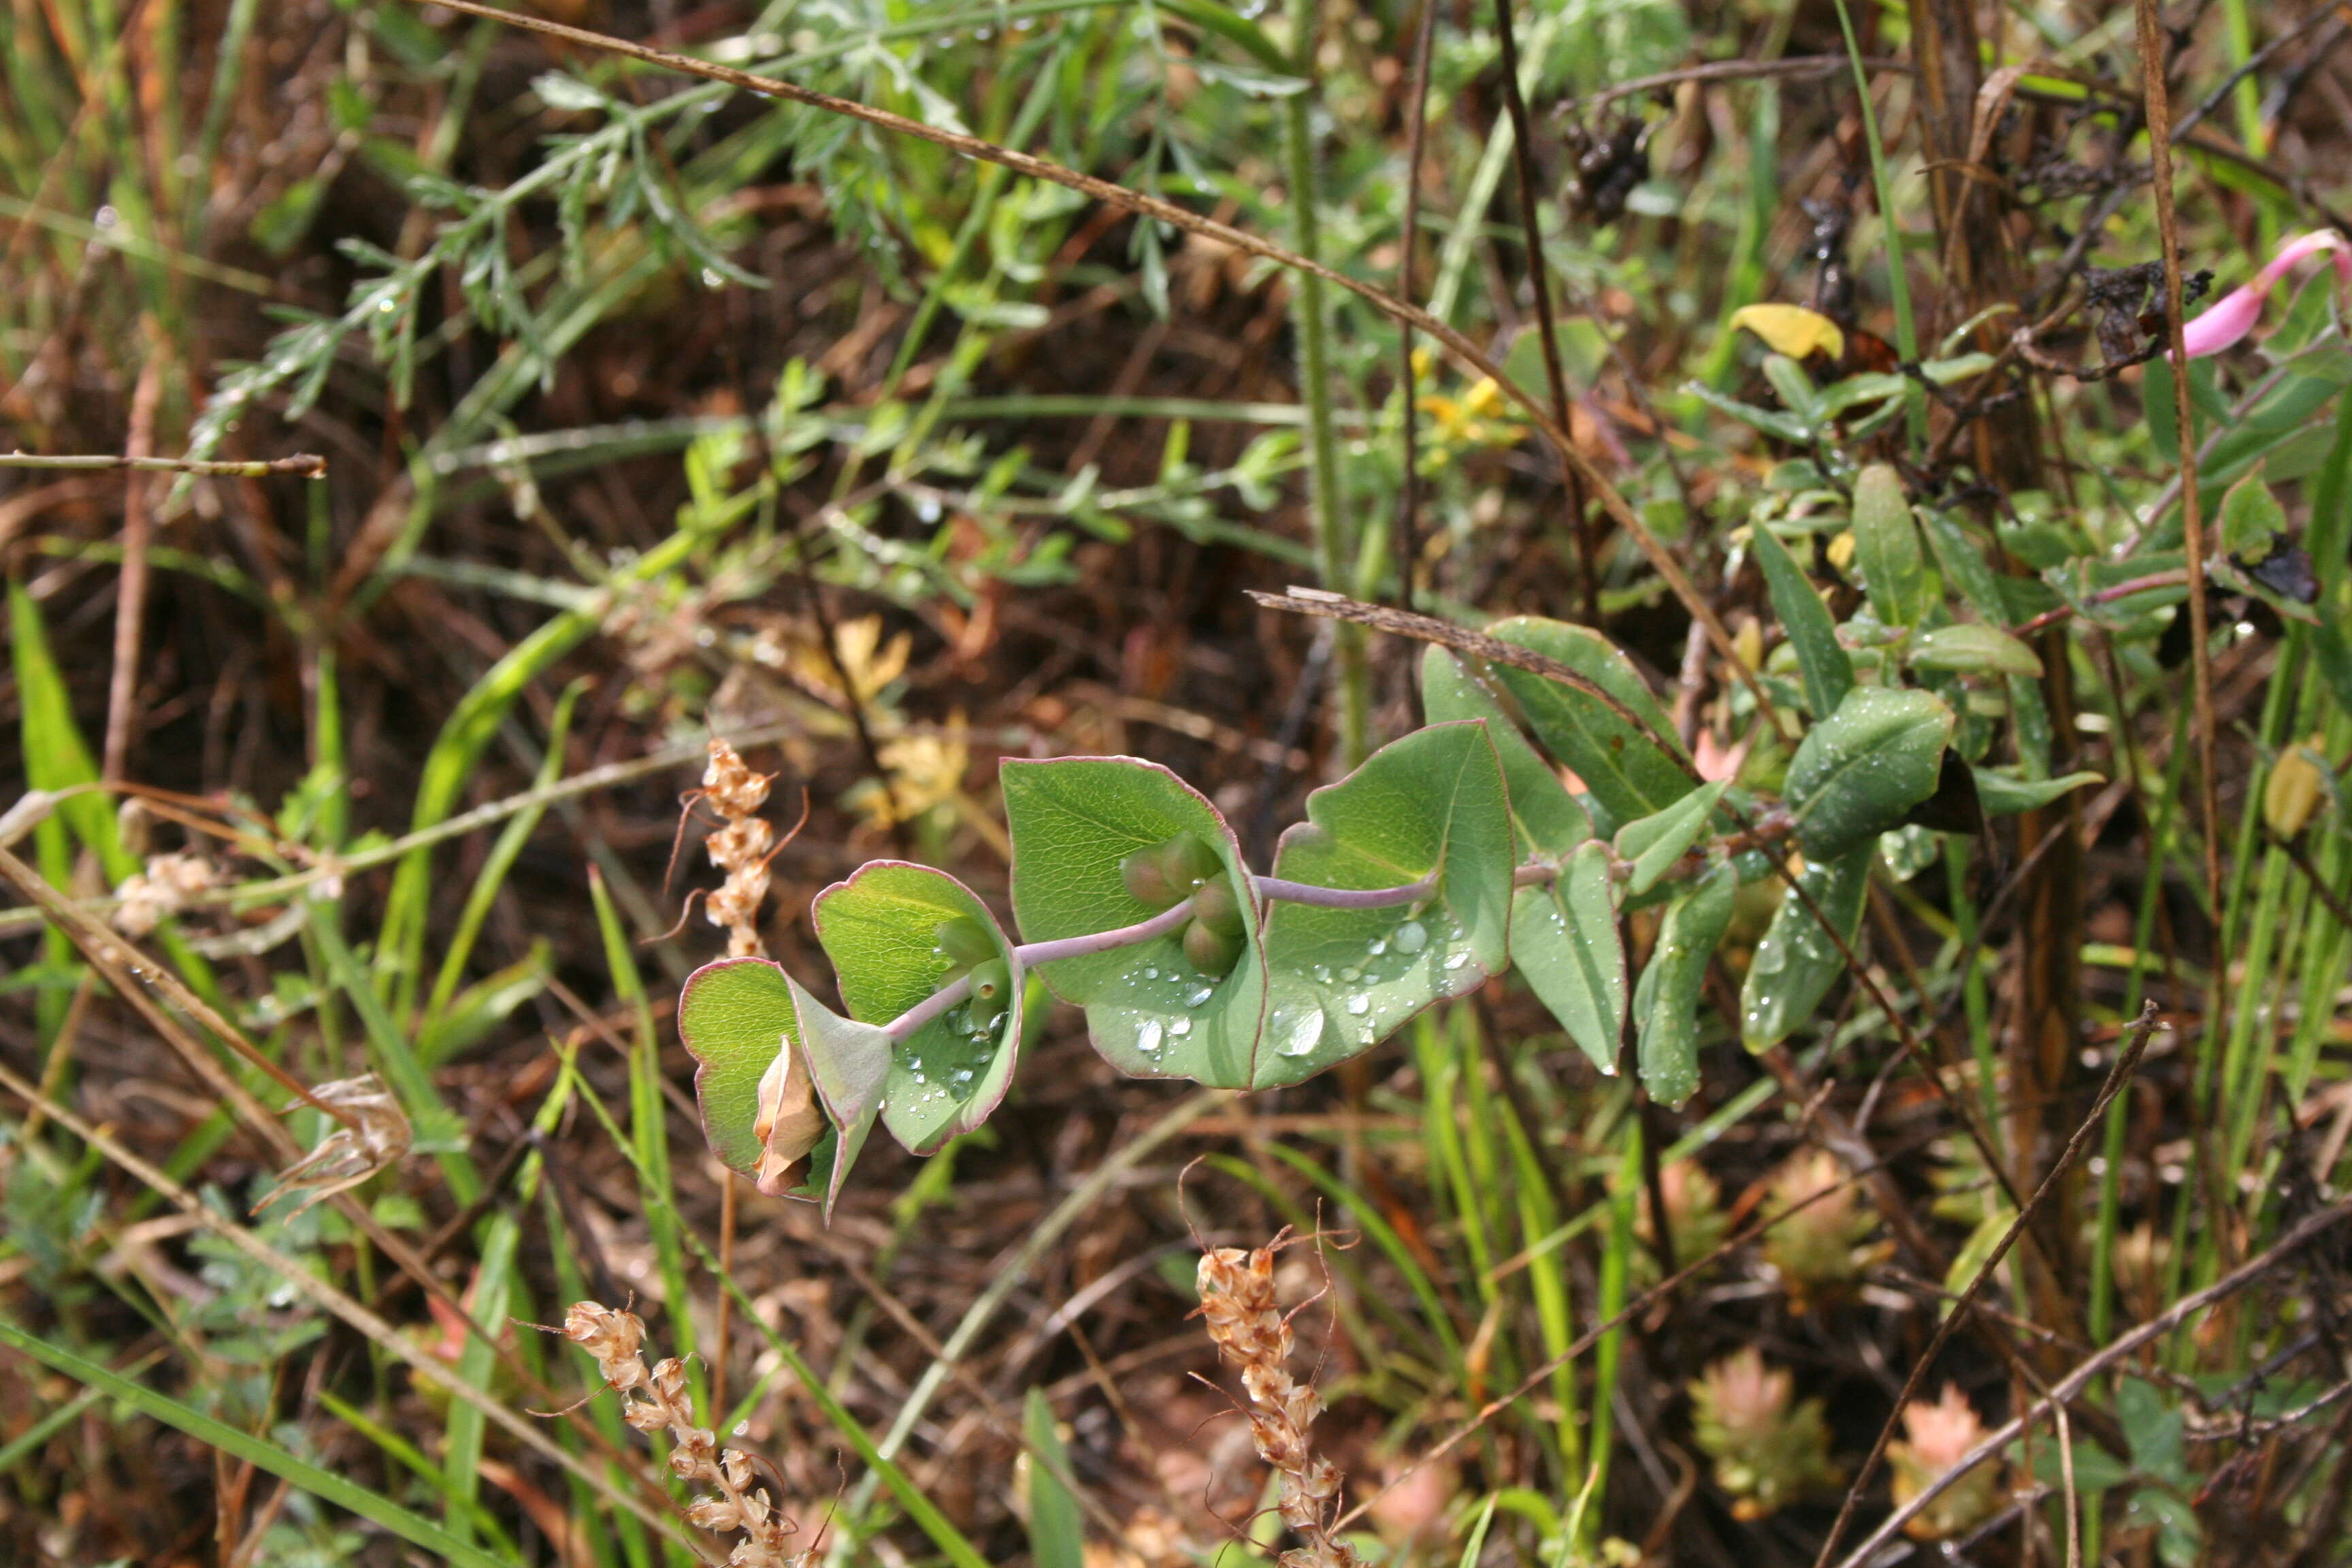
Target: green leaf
{"type": "Point", "coordinates": [734, 1016]}
{"type": "Point", "coordinates": [1655, 842]}
{"type": "Point", "coordinates": [1627, 765]}
{"type": "Point", "coordinates": [1797, 962]}
{"type": "Point", "coordinates": [2155, 1430]}
{"type": "Point", "coordinates": [1973, 648]}
{"type": "Point", "coordinates": [1859, 770]}
{"type": "Point", "coordinates": [850, 1063]}
{"type": "Point", "coordinates": [1565, 943]}
{"type": "Point", "coordinates": [1341, 980]}
{"type": "Point", "coordinates": [2250, 516]}
{"type": "Point", "coordinates": [1964, 567]}
{"type": "Point", "coordinates": [1886, 547]}
{"type": "Point", "coordinates": [882, 929]}
{"type": "Point", "coordinates": [1780, 427]}
{"type": "Point", "coordinates": [1150, 1012]}
{"type": "Point", "coordinates": [1666, 1001]}
{"type": "Point", "coordinates": [1058, 1538]}
{"type": "Point", "coordinates": [2001, 795]}
{"type": "Point", "coordinates": [1549, 819]}
{"type": "Point", "coordinates": [1827, 669]}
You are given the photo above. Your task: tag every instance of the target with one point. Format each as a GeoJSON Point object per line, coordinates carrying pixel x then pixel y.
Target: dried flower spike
{"type": "Point", "coordinates": [1246, 1321]}
{"type": "Point", "coordinates": [616, 1339]}
{"type": "Point", "coordinates": [162, 890]}
{"type": "Point", "coordinates": [377, 1136]}
{"type": "Point", "coordinates": [741, 848]}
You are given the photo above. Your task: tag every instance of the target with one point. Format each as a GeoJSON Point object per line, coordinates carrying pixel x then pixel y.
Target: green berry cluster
{"type": "Point", "coordinates": [1186, 867]}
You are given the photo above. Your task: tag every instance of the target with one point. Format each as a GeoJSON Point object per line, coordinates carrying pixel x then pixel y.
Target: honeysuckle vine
{"type": "Point", "coordinates": [1547, 799]}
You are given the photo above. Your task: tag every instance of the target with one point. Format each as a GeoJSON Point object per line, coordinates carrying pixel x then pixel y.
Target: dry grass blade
{"type": "Point", "coordinates": [390, 1339]}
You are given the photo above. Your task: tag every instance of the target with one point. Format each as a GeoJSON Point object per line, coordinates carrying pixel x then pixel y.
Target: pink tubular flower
{"type": "Point", "coordinates": [2234, 314]}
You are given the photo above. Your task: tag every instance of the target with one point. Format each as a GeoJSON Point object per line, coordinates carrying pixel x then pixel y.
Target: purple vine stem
{"type": "Point", "coordinates": [929, 1007]}
{"type": "Point", "coordinates": [1276, 889]}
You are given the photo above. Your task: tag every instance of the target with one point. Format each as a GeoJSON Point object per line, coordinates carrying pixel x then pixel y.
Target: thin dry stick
{"type": "Point", "coordinates": [1593, 1336]}
{"type": "Point", "coordinates": [1407, 541]}
{"type": "Point", "coordinates": [303, 464]}
{"type": "Point", "coordinates": [2074, 1383]}
{"type": "Point", "coordinates": [1553, 432]}
{"type": "Point", "coordinates": [424, 1367]}
{"type": "Point", "coordinates": [131, 596]}
{"type": "Point", "coordinates": [2159, 141]}
{"type": "Point", "coordinates": [2126, 1063]}
{"type": "Point", "coordinates": [1523, 161]}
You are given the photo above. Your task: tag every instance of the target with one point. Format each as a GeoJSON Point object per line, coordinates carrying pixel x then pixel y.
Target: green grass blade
{"type": "Point", "coordinates": [258, 1452]}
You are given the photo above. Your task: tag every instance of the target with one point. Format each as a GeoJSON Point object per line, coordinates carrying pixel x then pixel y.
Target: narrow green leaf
{"type": "Point", "coordinates": [1565, 943]}
{"type": "Point", "coordinates": [1058, 1538]}
{"type": "Point", "coordinates": [1549, 821]}
{"type": "Point", "coordinates": [1655, 842]}
{"type": "Point", "coordinates": [1973, 648]}
{"type": "Point", "coordinates": [1964, 565]}
{"type": "Point", "coordinates": [260, 1452]}
{"type": "Point", "coordinates": [881, 929]}
{"type": "Point", "coordinates": [1632, 768]}
{"type": "Point", "coordinates": [1886, 547]}
{"type": "Point", "coordinates": [1342, 980]}
{"type": "Point", "coordinates": [2001, 795]}
{"type": "Point", "coordinates": [1859, 770]}
{"type": "Point", "coordinates": [1150, 1011]}
{"type": "Point", "coordinates": [1667, 999]}
{"type": "Point", "coordinates": [734, 1016]}
{"type": "Point", "coordinates": [1797, 962]}
{"type": "Point", "coordinates": [1823, 661]}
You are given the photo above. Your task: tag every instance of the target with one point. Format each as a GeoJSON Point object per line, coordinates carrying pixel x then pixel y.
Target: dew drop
{"type": "Point", "coordinates": [1411, 937]}
{"type": "Point", "coordinates": [1351, 974]}
{"type": "Point", "coordinates": [1295, 1033]}
{"type": "Point", "coordinates": [1379, 945]}
{"type": "Point", "coordinates": [1147, 1038]}
{"type": "Point", "coordinates": [1152, 974]}
{"type": "Point", "coordinates": [1322, 974]}
{"type": "Point", "coordinates": [1456, 959]}
{"type": "Point", "coordinates": [1200, 996]}
{"type": "Point", "coordinates": [1359, 1004]}
{"type": "Point", "coordinates": [1180, 1027]}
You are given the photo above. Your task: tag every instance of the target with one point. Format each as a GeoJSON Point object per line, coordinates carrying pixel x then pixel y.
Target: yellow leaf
{"type": "Point", "coordinates": [1792, 329]}
{"type": "Point", "coordinates": [2292, 793]}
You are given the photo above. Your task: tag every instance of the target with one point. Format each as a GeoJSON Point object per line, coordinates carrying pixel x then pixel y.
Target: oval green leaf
{"type": "Point", "coordinates": [1886, 547]}
{"type": "Point", "coordinates": [1858, 770]}
{"type": "Point", "coordinates": [1549, 821]}
{"type": "Point", "coordinates": [734, 1016]}
{"type": "Point", "coordinates": [1149, 1011]}
{"type": "Point", "coordinates": [1973, 648]}
{"type": "Point", "coordinates": [1655, 842]}
{"type": "Point", "coordinates": [1797, 962]}
{"type": "Point", "coordinates": [1342, 980]}
{"type": "Point", "coordinates": [881, 929]}
{"type": "Point", "coordinates": [1667, 999]}
{"type": "Point", "coordinates": [1827, 669]}
{"type": "Point", "coordinates": [1623, 748]}
{"type": "Point", "coordinates": [1565, 942]}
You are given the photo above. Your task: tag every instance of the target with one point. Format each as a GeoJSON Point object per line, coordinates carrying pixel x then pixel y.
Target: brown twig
{"type": "Point", "coordinates": [1408, 542]}
{"type": "Point", "coordinates": [2168, 224]}
{"type": "Point", "coordinates": [1523, 162]}
{"type": "Point", "coordinates": [131, 597]}
{"type": "Point", "coordinates": [2126, 1063]}
{"type": "Point", "coordinates": [2074, 1383]}
{"type": "Point", "coordinates": [303, 464]}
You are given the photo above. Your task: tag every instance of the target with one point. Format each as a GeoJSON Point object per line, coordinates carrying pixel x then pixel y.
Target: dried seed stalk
{"type": "Point", "coordinates": [1246, 1320]}
{"type": "Point", "coordinates": [616, 1339]}
{"type": "Point", "coordinates": [741, 848]}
